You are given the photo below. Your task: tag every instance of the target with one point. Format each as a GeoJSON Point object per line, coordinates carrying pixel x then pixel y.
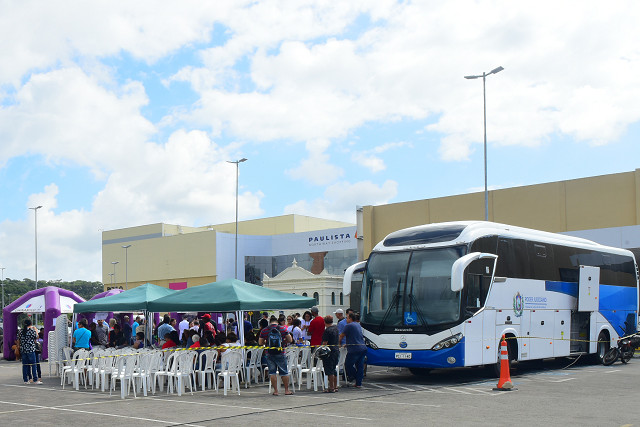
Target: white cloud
{"type": "Point", "coordinates": [371, 160]}
{"type": "Point", "coordinates": [340, 200]}
{"type": "Point", "coordinates": [316, 168]}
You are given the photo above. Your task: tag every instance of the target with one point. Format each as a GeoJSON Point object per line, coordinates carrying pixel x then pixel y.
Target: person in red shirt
{"type": "Point", "coordinates": [316, 327]}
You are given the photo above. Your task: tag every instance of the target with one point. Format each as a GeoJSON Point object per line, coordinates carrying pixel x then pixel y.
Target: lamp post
{"type": "Point", "coordinates": [35, 211]}
{"type": "Point", "coordinates": [237, 163]}
{"type": "Point", "coordinates": [126, 266]}
{"type": "Point", "coordinates": [484, 96]}
{"type": "Point", "coordinates": [111, 277]}
{"type": "Point", "coordinates": [114, 271]}
{"type": "Point", "coordinates": [2, 282]}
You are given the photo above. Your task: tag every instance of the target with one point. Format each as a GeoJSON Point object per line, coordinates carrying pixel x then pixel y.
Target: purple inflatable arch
{"type": "Point", "coordinates": [110, 315]}
{"type": "Point", "coordinates": [49, 300]}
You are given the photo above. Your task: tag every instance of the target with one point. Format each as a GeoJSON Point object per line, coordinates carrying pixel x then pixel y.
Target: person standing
{"type": "Point", "coordinates": [356, 350]}
{"type": "Point", "coordinates": [165, 327]}
{"type": "Point", "coordinates": [276, 338]}
{"type": "Point", "coordinates": [316, 328]}
{"type": "Point", "coordinates": [206, 327]}
{"type": "Point", "coordinates": [264, 322]}
{"type": "Point", "coordinates": [28, 338]}
{"type": "Point", "coordinates": [306, 319]}
{"type": "Point", "coordinates": [342, 321]}
{"type": "Point", "coordinates": [183, 325]}
{"type": "Point", "coordinates": [127, 331]}
{"type": "Point", "coordinates": [135, 325]}
{"type": "Point", "coordinates": [102, 332]}
{"type": "Point", "coordinates": [330, 338]}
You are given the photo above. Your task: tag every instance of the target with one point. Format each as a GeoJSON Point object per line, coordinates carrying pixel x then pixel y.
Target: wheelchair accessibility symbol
{"type": "Point", "coordinates": [410, 318]}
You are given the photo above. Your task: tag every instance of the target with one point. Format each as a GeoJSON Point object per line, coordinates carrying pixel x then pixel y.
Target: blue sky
{"type": "Point", "coordinates": [114, 116]}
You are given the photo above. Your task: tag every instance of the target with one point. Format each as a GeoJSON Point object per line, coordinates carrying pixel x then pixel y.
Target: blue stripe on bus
{"type": "Point", "coordinates": [569, 288]}
{"type": "Point", "coordinates": [618, 305]}
{"type": "Point", "coordinates": [419, 358]}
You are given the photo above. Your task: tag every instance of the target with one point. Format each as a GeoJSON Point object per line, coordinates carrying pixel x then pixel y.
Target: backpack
{"type": "Point", "coordinates": [274, 341]}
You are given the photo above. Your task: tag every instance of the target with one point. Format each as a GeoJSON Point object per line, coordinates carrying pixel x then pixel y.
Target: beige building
{"type": "Point", "coordinates": [602, 208]}
{"type": "Point", "coordinates": [177, 256]}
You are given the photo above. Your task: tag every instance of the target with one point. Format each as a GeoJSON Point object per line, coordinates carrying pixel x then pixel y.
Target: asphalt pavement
{"type": "Point", "coordinates": [553, 392]}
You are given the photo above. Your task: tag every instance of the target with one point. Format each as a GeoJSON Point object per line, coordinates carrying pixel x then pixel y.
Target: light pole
{"type": "Point", "coordinates": [111, 277]}
{"type": "Point", "coordinates": [126, 266]}
{"type": "Point", "coordinates": [484, 96]}
{"type": "Point", "coordinates": [2, 282]}
{"type": "Point", "coordinates": [237, 163]}
{"type": "Point", "coordinates": [114, 271]}
{"type": "Point", "coordinates": [35, 211]}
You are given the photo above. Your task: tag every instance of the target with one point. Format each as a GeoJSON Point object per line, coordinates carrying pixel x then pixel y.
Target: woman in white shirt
{"type": "Point", "coordinates": [306, 319]}
{"type": "Point", "coordinates": [296, 332]}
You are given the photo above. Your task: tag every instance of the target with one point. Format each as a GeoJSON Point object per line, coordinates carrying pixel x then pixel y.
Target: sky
{"type": "Point", "coordinates": [116, 114]}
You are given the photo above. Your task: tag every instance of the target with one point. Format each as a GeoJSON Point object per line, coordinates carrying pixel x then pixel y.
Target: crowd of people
{"type": "Point", "coordinates": [276, 333]}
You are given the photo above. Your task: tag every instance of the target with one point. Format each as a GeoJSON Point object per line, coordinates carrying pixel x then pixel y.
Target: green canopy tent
{"type": "Point", "coordinates": [136, 299]}
{"type": "Point", "coordinates": [230, 295]}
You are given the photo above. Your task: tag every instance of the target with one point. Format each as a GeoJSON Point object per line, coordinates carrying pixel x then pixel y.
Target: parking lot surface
{"type": "Point", "coordinates": [553, 392]}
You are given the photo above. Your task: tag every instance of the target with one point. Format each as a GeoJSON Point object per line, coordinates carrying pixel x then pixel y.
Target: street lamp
{"type": "Point", "coordinates": [237, 163]}
{"type": "Point", "coordinates": [126, 266]}
{"type": "Point", "coordinates": [114, 271]}
{"type": "Point", "coordinates": [111, 277]}
{"type": "Point", "coordinates": [2, 282]}
{"type": "Point", "coordinates": [35, 211]}
{"type": "Point", "coordinates": [484, 95]}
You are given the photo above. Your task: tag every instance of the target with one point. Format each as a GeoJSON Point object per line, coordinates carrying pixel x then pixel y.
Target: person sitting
{"type": "Point", "coordinates": [250, 338]}
{"type": "Point", "coordinates": [171, 340]}
{"type": "Point", "coordinates": [116, 337]}
{"type": "Point", "coordinates": [139, 341]}
{"type": "Point", "coordinates": [196, 341]}
{"type": "Point", "coordinates": [81, 336]}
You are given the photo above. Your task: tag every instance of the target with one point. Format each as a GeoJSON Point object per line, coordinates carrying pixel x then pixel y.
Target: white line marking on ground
{"type": "Point", "coordinates": [395, 403]}
{"type": "Point", "coordinates": [259, 409]}
{"type": "Point", "coordinates": [561, 381]}
{"type": "Point", "coordinates": [95, 413]}
{"type": "Point", "coordinates": [479, 391]}
{"type": "Point", "coordinates": [431, 389]}
{"type": "Point", "coordinates": [457, 390]}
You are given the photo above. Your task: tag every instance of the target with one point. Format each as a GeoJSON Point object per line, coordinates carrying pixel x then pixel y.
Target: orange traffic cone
{"type": "Point", "coordinates": [504, 384]}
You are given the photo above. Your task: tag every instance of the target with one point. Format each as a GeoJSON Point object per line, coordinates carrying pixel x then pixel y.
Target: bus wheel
{"type": "Point", "coordinates": [512, 347]}
{"type": "Point", "coordinates": [420, 372]}
{"type": "Point", "coordinates": [603, 346]}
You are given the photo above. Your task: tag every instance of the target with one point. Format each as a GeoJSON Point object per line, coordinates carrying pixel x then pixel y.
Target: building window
{"type": "Point", "coordinates": [317, 297]}
{"type": "Point", "coordinates": [333, 298]}
{"type": "Point", "coordinates": [304, 294]}
{"type": "Point", "coordinates": [341, 299]}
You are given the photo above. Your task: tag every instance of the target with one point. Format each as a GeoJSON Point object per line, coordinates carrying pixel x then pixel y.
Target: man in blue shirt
{"type": "Point", "coordinates": [165, 327]}
{"type": "Point", "coordinates": [81, 336]}
{"type": "Point", "coordinates": [342, 322]}
{"type": "Point", "coordinates": [356, 350]}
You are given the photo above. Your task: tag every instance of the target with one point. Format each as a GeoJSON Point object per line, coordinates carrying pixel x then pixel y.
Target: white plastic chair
{"type": "Point", "coordinates": [341, 359]}
{"type": "Point", "coordinates": [143, 371]}
{"type": "Point", "coordinates": [314, 373]}
{"type": "Point", "coordinates": [231, 365]}
{"type": "Point", "coordinates": [169, 362]}
{"type": "Point", "coordinates": [253, 366]}
{"type": "Point", "coordinates": [124, 372]}
{"type": "Point", "coordinates": [184, 369]}
{"type": "Point", "coordinates": [77, 368]}
{"type": "Point", "coordinates": [207, 367]}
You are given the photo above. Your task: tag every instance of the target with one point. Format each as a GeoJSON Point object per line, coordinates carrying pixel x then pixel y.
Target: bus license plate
{"type": "Point", "coordinates": [403, 355]}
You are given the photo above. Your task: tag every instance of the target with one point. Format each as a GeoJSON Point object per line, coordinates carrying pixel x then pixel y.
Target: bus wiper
{"type": "Point", "coordinates": [394, 301]}
{"type": "Point", "coordinates": [412, 298]}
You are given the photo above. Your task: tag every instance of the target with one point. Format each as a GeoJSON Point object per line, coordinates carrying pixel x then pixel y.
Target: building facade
{"type": "Point", "coordinates": [604, 208]}
{"type": "Point", "coordinates": [177, 256]}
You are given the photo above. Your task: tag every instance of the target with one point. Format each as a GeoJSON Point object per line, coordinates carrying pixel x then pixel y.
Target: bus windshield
{"type": "Point", "coordinates": [411, 288]}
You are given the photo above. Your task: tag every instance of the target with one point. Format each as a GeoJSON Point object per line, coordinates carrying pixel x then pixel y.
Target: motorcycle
{"type": "Point", "coordinates": [624, 351]}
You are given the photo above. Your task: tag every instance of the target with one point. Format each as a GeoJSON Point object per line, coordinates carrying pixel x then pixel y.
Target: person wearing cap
{"type": "Point", "coordinates": [316, 327]}
{"type": "Point", "coordinates": [206, 326]}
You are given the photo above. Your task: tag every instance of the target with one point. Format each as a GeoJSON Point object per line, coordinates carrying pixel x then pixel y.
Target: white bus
{"type": "Point", "coordinates": [442, 295]}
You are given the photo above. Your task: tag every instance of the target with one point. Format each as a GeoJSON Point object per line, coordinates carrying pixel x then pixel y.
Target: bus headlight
{"type": "Point", "coordinates": [370, 343]}
{"type": "Point", "coordinates": [447, 342]}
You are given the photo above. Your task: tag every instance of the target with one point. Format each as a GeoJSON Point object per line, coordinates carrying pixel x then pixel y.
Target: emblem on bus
{"type": "Point", "coordinates": [403, 344]}
{"type": "Point", "coordinates": [518, 304]}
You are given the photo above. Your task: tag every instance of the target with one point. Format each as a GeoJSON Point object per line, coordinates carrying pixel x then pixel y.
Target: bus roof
{"type": "Point", "coordinates": [459, 232]}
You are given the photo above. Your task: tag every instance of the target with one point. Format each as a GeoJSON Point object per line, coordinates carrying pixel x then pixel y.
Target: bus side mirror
{"type": "Point", "coordinates": [348, 274]}
{"type": "Point", "coordinates": [460, 266]}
